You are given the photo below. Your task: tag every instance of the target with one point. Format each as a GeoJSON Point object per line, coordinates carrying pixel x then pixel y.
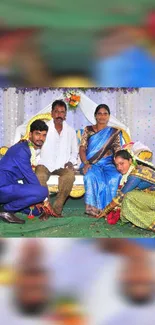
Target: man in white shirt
{"type": "Point", "coordinates": [58, 156]}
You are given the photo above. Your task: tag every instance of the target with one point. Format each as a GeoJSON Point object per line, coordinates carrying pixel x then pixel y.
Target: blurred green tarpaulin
{"type": "Point", "coordinates": [73, 14]}
{"type": "Point", "coordinates": [67, 40]}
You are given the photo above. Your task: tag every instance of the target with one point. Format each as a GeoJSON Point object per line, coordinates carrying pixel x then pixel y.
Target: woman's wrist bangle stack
{"type": "Point", "coordinates": [86, 162]}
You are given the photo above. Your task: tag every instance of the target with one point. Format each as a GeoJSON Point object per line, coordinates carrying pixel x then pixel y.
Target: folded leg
{"type": "Point", "coordinates": [20, 196]}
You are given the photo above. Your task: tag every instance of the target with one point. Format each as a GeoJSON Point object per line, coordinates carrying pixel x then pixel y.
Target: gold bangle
{"type": "Point", "coordinates": [86, 162]}
{"type": "Point", "coordinates": [107, 209]}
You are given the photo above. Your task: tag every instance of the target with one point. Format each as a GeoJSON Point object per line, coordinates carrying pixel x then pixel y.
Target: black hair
{"type": "Point", "coordinates": [133, 299]}
{"type": "Point", "coordinates": [126, 155]}
{"type": "Point", "coordinates": [123, 154]}
{"type": "Point", "coordinates": [38, 125]}
{"type": "Point", "coordinates": [102, 106]}
{"type": "Point", "coordinates": [59, 102]}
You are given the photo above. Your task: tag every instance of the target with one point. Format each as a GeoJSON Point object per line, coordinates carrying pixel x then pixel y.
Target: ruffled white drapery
{"type": "Point", "coordinates": [86, 106]}
{"type": "Point", "coordinates": [11, 114]}
{"type": "Point", "coordinates": [134, 110]}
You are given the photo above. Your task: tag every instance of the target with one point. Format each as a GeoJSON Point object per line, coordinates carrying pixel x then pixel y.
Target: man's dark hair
{"type": "Point", "coordinates": [38, 125]}
{"type": "Point", "coordinates": [59, 102]}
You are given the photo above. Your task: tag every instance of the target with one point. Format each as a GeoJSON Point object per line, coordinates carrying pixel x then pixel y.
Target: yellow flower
{"type": "Point", "coordinates": [3, 151]}
{"type": "Point", "coordinates": [33, 155]}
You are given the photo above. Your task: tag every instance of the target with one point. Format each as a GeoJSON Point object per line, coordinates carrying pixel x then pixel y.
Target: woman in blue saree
{"type": "Point", "coordinates": [98, 145]}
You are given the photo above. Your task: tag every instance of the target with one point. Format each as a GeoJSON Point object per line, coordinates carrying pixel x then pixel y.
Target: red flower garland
{"type": "Point", "coordinates": [113, 217]}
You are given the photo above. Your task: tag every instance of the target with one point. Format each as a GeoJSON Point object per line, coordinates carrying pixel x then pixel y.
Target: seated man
{"type": "Point", "coordinates": [58, 155]}
{"type": "Point", "coordinates": [16, 166]}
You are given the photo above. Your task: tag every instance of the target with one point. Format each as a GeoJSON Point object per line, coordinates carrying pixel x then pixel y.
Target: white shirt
{"type": "Point", "coordinates": [133, 315]}
{"type": "Point", "coordinates": [59, 149]}
{"type": "Point", "coordinates": [75, 268]}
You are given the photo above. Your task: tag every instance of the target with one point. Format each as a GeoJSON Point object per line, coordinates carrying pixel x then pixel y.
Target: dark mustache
{"type": "Point", "coordinates": [59, 118]}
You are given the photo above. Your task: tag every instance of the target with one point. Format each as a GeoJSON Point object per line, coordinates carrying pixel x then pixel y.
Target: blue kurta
{"type": "Point", "coordinates": [15, 166]}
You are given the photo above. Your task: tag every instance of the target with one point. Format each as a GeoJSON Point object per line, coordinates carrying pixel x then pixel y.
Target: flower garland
{"type": "Point", "coordinates": [114, 216]}
{"type": "Point", "coordinates": [33, 155]}
{"type": "Point", "coordinates": [84, 89]}
{"type": "Point", "coordinates": [72, 97]}
{"type": "Point", "coordinates": [125, 177]}
{"type": "Point", "coordinates": [3, 151]}
{"type": "Point", "coordinates": [66, 310]}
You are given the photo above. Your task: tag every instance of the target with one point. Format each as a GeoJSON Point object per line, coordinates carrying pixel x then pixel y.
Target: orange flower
{"type": "Point", "coordinates": [74, 321]}
{"type": "Point", "coordinates": [76, 98]}
{"type": "Point", "coordinates": [72, 103]}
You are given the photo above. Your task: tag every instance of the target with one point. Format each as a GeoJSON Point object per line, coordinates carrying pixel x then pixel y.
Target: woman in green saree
{"type": "Point", "coordinates": [136, 197]}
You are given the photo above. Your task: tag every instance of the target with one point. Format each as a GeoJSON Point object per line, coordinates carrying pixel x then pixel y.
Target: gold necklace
{"type": "Point", "coordinates": [33, 155]}
{"type": "Point", "coordinates": [125, 177]}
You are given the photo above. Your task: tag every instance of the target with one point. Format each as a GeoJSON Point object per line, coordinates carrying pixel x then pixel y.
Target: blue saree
{"type": "Point", "coordinates": [102, 179]}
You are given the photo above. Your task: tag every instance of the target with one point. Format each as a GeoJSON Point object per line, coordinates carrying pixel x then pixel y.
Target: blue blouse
{"type": "Point", "coordinates": [136, 182]}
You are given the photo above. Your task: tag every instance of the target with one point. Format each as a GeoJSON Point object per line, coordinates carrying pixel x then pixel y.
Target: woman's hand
{"type": "Point", "coordinates": [107, 210]}
{"type": "Point", "coordinates": [102, 214]}
{"type": "Point", "coordinates": [85, 168]}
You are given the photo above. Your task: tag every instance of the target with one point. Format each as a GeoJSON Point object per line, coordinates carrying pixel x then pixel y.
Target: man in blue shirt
{"type": "Point", "coordinates": [16, 166]}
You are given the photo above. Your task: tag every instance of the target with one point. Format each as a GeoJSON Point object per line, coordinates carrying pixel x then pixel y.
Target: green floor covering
{"type": "Point", "coordinates": [74, 224]}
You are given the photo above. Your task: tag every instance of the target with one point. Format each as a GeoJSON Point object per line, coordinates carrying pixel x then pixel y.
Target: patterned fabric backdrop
{"type": "Point", "coordinates": [133, 109]}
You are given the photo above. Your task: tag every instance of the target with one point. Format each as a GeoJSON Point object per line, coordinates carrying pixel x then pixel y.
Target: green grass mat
{"type": "Point", "coordinates": [74, 224]}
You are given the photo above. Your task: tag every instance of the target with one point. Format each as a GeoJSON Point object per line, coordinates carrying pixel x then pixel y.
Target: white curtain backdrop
{"type": "Point", "coordinates": [136, 110]}
{"type": "Point", "coordinates": [13, 114]}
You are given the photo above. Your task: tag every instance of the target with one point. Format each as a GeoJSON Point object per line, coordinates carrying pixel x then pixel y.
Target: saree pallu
{"type": "Point", "coordinates": [138, 207]}
{"type": "Point", "coordinates": [102, 179]}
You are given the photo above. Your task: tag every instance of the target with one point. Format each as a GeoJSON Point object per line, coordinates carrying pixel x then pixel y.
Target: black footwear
{"type": "Point", "coordinates": [10, 217]}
